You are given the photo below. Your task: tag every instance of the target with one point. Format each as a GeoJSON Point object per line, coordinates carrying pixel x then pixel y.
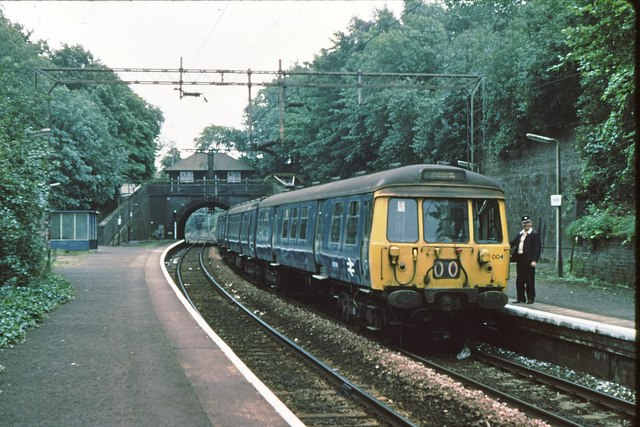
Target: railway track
{"type": "Point", "coordinates": [556, 400]}
{"type": "Point", "coordinates": [579, 405]}
{"type": "Point", "coordinates": [313, 390]}
{"type": "Point", "coordinates": [558, 403]}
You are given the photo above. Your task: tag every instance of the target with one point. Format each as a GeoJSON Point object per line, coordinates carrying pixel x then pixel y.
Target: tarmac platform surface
{"type": "Point", "coordinates": [126, 352]}
{"type": "Point", "coordinates": [123, 353]}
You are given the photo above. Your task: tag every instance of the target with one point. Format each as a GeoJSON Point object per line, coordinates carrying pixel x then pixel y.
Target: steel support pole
{"type": "Point", "coordinates": [558, 215]}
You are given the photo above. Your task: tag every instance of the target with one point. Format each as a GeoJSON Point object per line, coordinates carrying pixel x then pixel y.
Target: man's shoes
{"type": "Point", "coordinates": [530, 301]}
{"type": "Point", "coordinates": [519, 301]}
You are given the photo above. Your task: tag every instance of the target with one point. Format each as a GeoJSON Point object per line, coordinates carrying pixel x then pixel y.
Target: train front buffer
{"type": "Point", "coordinates": [417, 273]}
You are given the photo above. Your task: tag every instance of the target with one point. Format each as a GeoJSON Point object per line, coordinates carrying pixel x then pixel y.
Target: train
{"type": "Point", "coordinates": [422, 246]}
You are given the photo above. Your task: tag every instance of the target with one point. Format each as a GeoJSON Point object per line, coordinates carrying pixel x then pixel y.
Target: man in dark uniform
{"type": "Point", "coordinates": [525, 251]}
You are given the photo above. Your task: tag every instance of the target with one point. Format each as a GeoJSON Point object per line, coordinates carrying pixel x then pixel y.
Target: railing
{"type": "Point", "coordinates": [210, 188]}
{"type": "Point", "coordinates": [109, 231]}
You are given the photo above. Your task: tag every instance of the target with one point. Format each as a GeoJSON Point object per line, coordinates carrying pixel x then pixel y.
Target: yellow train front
{"type": "Point", "coordinates": [423, 245]}
{"type": "Point", "coordinates": [438, 251]}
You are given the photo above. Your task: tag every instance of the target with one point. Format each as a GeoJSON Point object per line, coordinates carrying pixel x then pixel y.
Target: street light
{"type": "Point", "coordinates": [556, 199]}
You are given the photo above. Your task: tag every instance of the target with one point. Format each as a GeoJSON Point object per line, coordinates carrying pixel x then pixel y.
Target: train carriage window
{"type": "Point", "coordinates": [304, 218]}
{"type": "Point", "coordinates": [487, 226]}
{"type": "Point", "coordinates": [261, 232]}
{"type": "Point", "coordinates": [402, 221]}
{"type": "Point", "coordinates": [336, 223]}
{"type": "Point", "coordinates": [294, 223]}
{"type": "Point", "coordinates": [234, 226]}
{"type": "Point", "coordinates": [285, 223]}
{"type": "Point", "coordinates": [446, 220]}
{"type": "Point", "coordinates": [353, 214]}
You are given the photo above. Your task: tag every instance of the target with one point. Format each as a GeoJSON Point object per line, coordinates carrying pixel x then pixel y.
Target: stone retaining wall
{"type": "Point", "coordinates": [528, 175]}
{"type": "Point", "coordinates": [608, 259]}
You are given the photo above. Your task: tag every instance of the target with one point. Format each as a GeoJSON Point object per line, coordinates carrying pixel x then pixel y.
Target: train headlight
{"type": "Point", "coordinates": [394, 254]}
{"type": "Point", "coordinates": [484, 256]}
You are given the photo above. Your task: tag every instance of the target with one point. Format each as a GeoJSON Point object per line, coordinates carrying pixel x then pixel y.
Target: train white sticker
{"type": "Point", "coordinates": [350, 265]}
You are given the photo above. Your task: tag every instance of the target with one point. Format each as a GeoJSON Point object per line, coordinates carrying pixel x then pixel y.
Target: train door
{"type": "Point", "coordinates": [248, 233]}
{"type": "Point", "coordinates": [365, 225]}
{"type": "Point", "coordinates": [264, 234]}
{"type": "Point", "coordinates": [338, 243]}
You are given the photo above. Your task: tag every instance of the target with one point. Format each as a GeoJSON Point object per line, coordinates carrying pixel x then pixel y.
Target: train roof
{"type": "Point", "coordinates": [406, 176]}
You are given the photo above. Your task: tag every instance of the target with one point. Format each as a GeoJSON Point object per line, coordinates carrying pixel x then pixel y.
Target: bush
{"type": "Point", "coordinates": [599, 224]}
{"type": "Point", "coordinates": [23, 307]}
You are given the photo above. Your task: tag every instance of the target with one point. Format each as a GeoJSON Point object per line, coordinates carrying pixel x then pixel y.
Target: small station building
{"type": "Point", "coordinates": [210, 166]}
{"type": "Point", "coordinates": [73, 230]}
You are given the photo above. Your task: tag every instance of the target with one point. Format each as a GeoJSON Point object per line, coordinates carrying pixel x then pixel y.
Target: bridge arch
{"type": "Point", "coordinates": [182, 214]}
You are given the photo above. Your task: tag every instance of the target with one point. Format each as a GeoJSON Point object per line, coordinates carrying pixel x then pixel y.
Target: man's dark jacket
{"type": "Point", "coordinates": [530, 250]}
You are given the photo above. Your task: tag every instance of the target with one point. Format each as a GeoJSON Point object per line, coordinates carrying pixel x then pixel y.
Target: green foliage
{"type": "Point", "coordinates": [602, 42]}
{"type": "Point", "coordinates": [171, 155]}
{"type": "Point", "coordinates": [23, 307]}
{"type": "Point", "coordinates": [604, 224]}
{"type": "Point", "coordinates": [103, 135]}
{"type": "Point", "coordinates": [99, 136]}
{"type": "Point", "coordinates": [219, 139]}
{"type": "Point", "coordinates": [22, 211]}
{"type": "Point", "coordinates": [549, 67]}
{"type": "Point", "coordinates": [514, 45]}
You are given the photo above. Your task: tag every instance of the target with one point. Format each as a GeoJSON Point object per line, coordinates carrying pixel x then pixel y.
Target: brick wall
{"type": "Point", "coordinates": [528, 175]}
{"type": "Point", "coordinates": [610, 260]}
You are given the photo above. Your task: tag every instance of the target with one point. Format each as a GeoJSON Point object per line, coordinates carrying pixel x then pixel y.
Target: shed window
{"type": "Point", "coordinates": [234, 177]}
{"type": "Point", "coordinates": [186, 176]}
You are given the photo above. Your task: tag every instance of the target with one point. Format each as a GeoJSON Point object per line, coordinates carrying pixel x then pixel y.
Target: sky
{"type": "Point", "coordinates": [217, 35]}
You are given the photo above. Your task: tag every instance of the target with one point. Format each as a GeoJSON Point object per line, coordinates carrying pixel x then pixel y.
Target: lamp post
{"type": "Point", "coordinates": [556, 199]}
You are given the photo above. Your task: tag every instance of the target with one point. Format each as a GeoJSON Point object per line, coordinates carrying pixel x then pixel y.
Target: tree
{"type": "Point", "coordinates": [602, 42]}
{"type": "Point", "coordinates": [88, 161]}
{"type": "Point", "coordinates": [133, 124]}
{"type": "Point", "coordinates": [220, 139]}
{"type": "Point", "coordinates": [172, 155]}
{"type": "Point", "coordinates": [98, 137]}
{"type": "Point", "coordinates": [23, 160]}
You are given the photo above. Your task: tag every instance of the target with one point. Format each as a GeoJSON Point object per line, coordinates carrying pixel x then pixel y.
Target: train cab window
{"type": "Point", "coordinates": [304, 218]}
{"type": "Point", "coordinates": [285, 223]}
{"type": "Point", "coordinates": [446, 220]}
{"type": "Point", "coordinates": [353, 213]}
{"type": "Point", "coordinates": [402, 221]}
{"type": "Point", "coordinates": [487, 227]}
{"type": "Point", "coordinates": [294, 223]}
{"type": "Point", "coordinates": [336, 223]}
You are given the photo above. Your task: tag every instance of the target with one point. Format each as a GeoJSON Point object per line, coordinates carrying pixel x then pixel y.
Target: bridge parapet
{"type": "Point", "coordinates": [161, 209]}
{"type": "Point", "coordinates": [210, 189]}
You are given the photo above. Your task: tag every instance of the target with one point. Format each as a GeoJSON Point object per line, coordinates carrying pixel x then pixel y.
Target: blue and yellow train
{"type": "Point", "coordinates": [424, 246]}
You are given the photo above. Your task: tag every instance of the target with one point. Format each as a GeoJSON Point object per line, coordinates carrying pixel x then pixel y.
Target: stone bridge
{"type": "Point", "coordinates": [160, 210]}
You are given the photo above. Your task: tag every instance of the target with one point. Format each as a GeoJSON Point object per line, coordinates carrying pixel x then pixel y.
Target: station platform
{"type": "Point", "coordinates": [127, 352]}
{"type": "Point", "coordinates": [611, 306]}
